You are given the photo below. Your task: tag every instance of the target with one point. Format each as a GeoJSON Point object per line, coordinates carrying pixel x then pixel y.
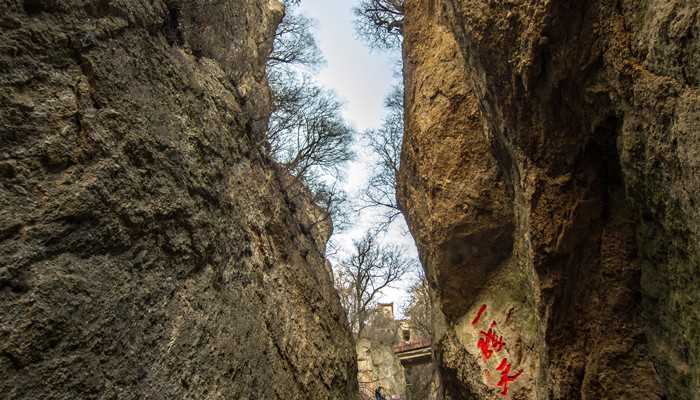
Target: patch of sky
{"type": "Point", "coordinates": [361, 78]}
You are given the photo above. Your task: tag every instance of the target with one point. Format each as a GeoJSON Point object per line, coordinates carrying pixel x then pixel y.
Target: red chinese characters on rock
{"type": "Point", "coordinates": [489, 343]}
{"type": "Point", "coordinates": [504, 367]}
{"type": "Point", "coordinates": [476, 319]}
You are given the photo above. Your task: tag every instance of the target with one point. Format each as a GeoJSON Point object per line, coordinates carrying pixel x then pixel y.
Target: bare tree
{"type": "Point", "coordinates": [294, 44]}
{"type": "Point", "coordinates": [341, 281]}
{"type": "Point", "coordinates": [380, 22]}
{"type": "Point", "coordinates": [419, 307]}
{"type": "Point", "coordinates": [333, 201]}
{"type": "Point", "coordinates": [371, 268]}
{"type": "Point", "coordinates": [309, 139]}
{"type": "Point", "coordinates": [306, 135]}
{"type": "Point", "coordinates": [289, 3]}
{"type": "Point", "coordinates": [385, 142]}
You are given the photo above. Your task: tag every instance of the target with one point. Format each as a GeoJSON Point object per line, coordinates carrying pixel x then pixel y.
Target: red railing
{"type": "Point", "coordinates": [413, 345]}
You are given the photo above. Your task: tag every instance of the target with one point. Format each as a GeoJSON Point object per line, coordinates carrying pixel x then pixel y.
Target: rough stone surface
{"type": "Point", "coordinates": [378, 366]}
{"type": "Point", "coordinates": [148, 247]}
{"type": "Point", "coordinates": [550, 174]}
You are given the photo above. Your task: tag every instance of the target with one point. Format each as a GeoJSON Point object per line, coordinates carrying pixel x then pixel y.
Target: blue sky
{"type": "Point", "coordinates": [361, 78]}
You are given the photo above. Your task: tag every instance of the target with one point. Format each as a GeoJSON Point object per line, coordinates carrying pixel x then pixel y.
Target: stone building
{"type": "Point", "coordinates": [377, 363]}
{"type": "Point", "coordinates": [391, 354]}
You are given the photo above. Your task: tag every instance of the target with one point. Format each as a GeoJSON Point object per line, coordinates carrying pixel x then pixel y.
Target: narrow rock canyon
{"type": "Point", "coordinates": [152, 248]}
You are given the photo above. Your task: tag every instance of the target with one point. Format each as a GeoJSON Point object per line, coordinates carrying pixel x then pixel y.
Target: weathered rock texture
{"type": "Point", "coordinates": [550, 175]}
{"type": "Point", "coordinates": [148, 247]}
{"type": "Point", "coordinates": [377, 364]}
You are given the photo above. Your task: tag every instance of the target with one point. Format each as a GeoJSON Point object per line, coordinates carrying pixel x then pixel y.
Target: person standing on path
{"type": "Point", "coordinates": [378, 394]}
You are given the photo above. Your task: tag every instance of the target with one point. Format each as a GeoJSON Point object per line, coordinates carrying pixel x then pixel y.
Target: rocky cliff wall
{"type": "Point", "coordinates": [550, 178]}
{"type": "Point", "coordinates": [378, 366]}
{"type": "Point", "coordinates": [148, 247]}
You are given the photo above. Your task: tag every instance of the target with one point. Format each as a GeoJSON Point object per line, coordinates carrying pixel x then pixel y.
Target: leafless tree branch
{"type": "Point", "coordinates": [306, 135]}
{"type": "Point", "coordinates": [364, 275]}
{"type": "Point", "coordinates": [419, 307]}
{"type": "Point", "coordinates": [385, 142]}
{"type": "Point", "coordinates": [380, 22]}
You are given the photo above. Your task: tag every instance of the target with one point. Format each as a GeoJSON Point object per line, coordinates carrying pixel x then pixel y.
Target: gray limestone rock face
{"type": "Point", "coordinates": [148, 247]}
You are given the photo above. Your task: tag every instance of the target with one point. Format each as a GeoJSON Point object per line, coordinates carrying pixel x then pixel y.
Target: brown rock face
{"type": "Point", "coordinates": [550, 177]}
{"type": "Point", "coordinates": [148, 249]}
